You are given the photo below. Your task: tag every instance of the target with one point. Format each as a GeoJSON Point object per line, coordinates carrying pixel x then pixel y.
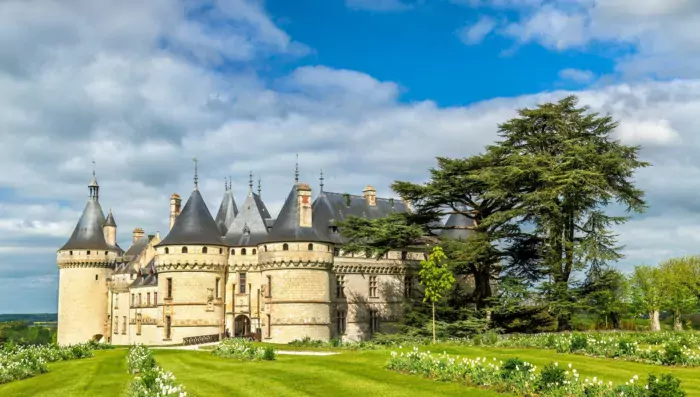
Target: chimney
{"type": "Point", "coordinates": [138, 233]}
{"type": "Point", "coordinates": [175, 202]}
{"type": "Point", "coordinates": [304, 204]}
{"type": "Point", "coordinates": [370, 195]}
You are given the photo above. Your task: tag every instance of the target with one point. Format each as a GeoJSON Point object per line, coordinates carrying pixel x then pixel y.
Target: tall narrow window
{"type": "Point", "coordinates": [168, 323]}
{"type": "Point", "coordinates": [170, 288]}
{"type": "Point", "coordinates": [336, 251]}
{"type": "Point", "coordinates": [116, 301]}
{"type": "Point", "coordinates": [116, 325]}
{"type": "Point", "coordinates": [155, 299]}
{"type": "Point", "coordinates": [340, 286]}
{"type": "Point", "coordinates": [216, 288]}
{"type": "Point", "coordinates": [124, 325]}
{"type": "Point", "coordinates": [404, 255]}
{"type": "Point", "coordinates": [269, 286]}
{"type": "Point", "coordinates": [140, 301]}
{"type": "Point", "coordinates": [242, 283]}
{"type": "Point", "coordinates": [372, 286]}
{"type": "Point", "coordinates": [148, 299]}
{"type": "Point", "coordinates": [138, 324]}
{"type": "Point", "coordinates": [407, 286]}
{"type": "Point", "coordinates": [133, 300]}
{"type": "Point", "coordinates": [167, 250]}
{"type": "Point", "coordinates": [269, 326]}
{"type": "Point", "coordinates": [373, 321]}
{"type": "Point", "coordinates": [96, 277]}
{"type": "Point", "coordinates": [340, 322]}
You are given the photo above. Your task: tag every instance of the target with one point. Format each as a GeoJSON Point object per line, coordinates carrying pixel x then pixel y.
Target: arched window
{"type": "Point", "coordinates": [184, 250]}
{"type": "Point", "coordinates": [71, 252]}
{"type": "Point", "coordinates": [266, 248]}
{"type": "Point", "coordinates": [311, 247]}
{"type": "Point", "coordinates": [167, 250]}
{"type": "Point", "coordinates": [204, 250]}
{"type": "Point", "coordinates": [285, 247]}
{"type": "Point", "coordinates": [243, 251]}
{"type": "Point", "coordinates": [88, 252]}
{"type": "Point", "coordinates": [221, 251]}
{"type": "Point", "coordinates": [233, 252]}
{"type": "Point", "coordinates": [254, 251]}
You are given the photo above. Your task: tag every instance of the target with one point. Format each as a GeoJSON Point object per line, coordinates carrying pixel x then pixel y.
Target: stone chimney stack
{"type": "Point", "coordinates": [304, 204]}
{"type": "Point", "coordinates": [138, 233]}
{"type": "Point", "coordinates": [175, 202]}
{"type": "Point", "coordinates": [370, 195]}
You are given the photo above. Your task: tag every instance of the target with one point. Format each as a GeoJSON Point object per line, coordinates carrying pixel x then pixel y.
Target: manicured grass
{"type": "Point", "coordinates": [347, 374]}
{"type": "Point", "coordinates": [102, 375]}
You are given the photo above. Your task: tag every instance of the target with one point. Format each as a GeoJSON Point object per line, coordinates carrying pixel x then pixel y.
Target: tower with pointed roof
{"type": "Point", "coordinates": [85, 263]}
{"type": "Point", "coordinates": [191, 264]}
{"type": "Point", "coordinates": [227, 211]}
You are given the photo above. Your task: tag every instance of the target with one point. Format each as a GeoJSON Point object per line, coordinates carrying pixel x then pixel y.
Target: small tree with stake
{"type": "Point", "coordinates": [436, 279]}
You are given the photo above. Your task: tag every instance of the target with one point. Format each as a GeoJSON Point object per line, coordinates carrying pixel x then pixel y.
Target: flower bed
{"type": "Point", "coordinates": [521, 378]}
{"type": "Point", "coordinates": [151, 380]}
{"type": "Point", "coordinates": [243, 349]}
{"type": "Point", "coordinates": [335, 344]}
{"type": "Point", "coordinates": [21, 362]}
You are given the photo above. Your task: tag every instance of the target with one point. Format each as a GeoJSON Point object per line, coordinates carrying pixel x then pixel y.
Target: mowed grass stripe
{"type": "Point", "coordinates": [102, 375]}
{"type": "Point", "coordinates": [350, 374]}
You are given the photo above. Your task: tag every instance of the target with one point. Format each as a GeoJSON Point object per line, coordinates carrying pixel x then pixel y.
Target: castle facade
{"type": "Point", "coordinates": [240, 273]}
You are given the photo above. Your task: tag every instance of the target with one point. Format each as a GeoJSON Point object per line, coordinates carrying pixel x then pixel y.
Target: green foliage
{"type": "Point", "coordinates": [435, 277]}
{"type": "Point", "coordinates": [552, 376]}
{"type": "Point", "coordinates": [666, 385]}
{"type": "Point", "coordinates": [23, 333]}
{"type": "Point", "coordinates": [242, 349]}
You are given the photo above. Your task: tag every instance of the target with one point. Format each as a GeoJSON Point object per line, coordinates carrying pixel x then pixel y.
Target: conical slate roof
{"type": "Point", "coordinates": [110, 220]}
{"type": "Point", "coordinates": [249, 227]}
{"type": "Point", "coordinates": [460, 221]}
{"type": "Point", "coordinates": [227, 211]}
{"type": "Point", "coordinates": [88, 232]}
{"type": "Point", "coordinates": [287, 228]}
{"type": "Point", "coordinates": [194, 225]}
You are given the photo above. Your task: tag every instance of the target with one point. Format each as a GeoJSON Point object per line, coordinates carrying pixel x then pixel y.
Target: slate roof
{"type": "Point", "coordinates": [88, 232]}
{"type": "Point", "coordinates": [329, 208]}
{"type": "Point", "coordinates": [148, 276]}
{"type": "Point", "coordinates": [194, 225]}
{"type": "Point", "coordinates": [249, 227]}
{"type": "Point", "coordinates": [124, 268]}
{"type": "Point", "coordinates": [110, 220]}
{"type": "Point", "coordinates": [227, 212]}
{"type": "Point", "coordinates": [287, 228]}
{"type": "Point", "coordinates": [137, 247]}
{"type": "Point", "coordinates": [457, 220]}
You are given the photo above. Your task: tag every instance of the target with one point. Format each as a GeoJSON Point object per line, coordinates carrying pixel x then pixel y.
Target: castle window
{"type": "Point", "coordinates": [148, 299]}
{"type": "Point", "coordinates": [311, 247]}
{"type": "Point", "coordinates": [88, 252]}
{"type": "Point", "coordinates": [373, 286]}
{"type": "Point", "coordinates": [133, 300]}
{"type": "Point", "coordinates": [254, 251]}
{"type": "Point", "coordinates": [243, 251]}
{"type": "Point", "coordinates": [404, 255]}
{"type": "Point", "coordinates": [70, 252]}
{"type": "Point", "coordinates": [233, 252]}
{"type": "Point", "coordinates": [266, 248]}
{"type": "Point", "coordinates": [124, 325]}
{"type": "Point", "coordinates": [116, 301]}
{"type": "Point", "coordinates": [167, 250]}
{"type": "Point", "coordinates": [216, 288]}
{"type": "Point", "coordinates": [373, 321]}
{"type": "Point", "coordinates": [285, 247]}
{"type": "Point", "coordinates": [140, 301]}
{"type": "Point", "coordinates": [334, 229]}
{"type": "Point", "coordinates": [407, 286]}
{"type": "Point", "coordinates": [168, 322]}
{"type": "Point", "coordinates": [340, 286]}
{"type": "Point", "coordinates": [155, 299]}
{"type": "Point", "coordinates": [170, 288]}
{"type": "Point", "coordinates": [241, 283]}
{"type": "Point", "coordinates": [340, 321]}
{"type": "Point", "coordinates": [116, 325]}
{"type": "Point", "coordinates": [336, 251]}
{"type": "Point", "coordinates": [105, 252]}
{"type": "Point", "coordinates": [221, 251]}
{"type": "Point", "coordinates": [96, 277]}
{"type": "Point", "coordinates": [269, 286]}
{"type": "Point", "coordinates": [269, 326]}
{"type": "Point", "coordinates": [184, 250]}
{"type": "Point", "coordinates": [204, 250]}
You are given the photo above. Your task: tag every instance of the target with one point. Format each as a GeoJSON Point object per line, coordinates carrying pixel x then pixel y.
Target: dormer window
{"type": "Point", "coordinates": [204, 250]}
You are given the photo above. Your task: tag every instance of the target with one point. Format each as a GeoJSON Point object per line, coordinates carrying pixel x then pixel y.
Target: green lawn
{"type": "Point", "coordinates": [346, 374]}
{"type": "Point", "coordinates": [102, 375]}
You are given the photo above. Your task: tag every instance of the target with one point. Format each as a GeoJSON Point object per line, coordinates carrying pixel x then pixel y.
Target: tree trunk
{"type": "Point", "coordinates": [654, 318]}
{"type": "Point", "coordinates": [434, 338]}
{"type": "Point", "coordinates": [482, 287]}
{"type": "Point", "coordinates": [677, 324]}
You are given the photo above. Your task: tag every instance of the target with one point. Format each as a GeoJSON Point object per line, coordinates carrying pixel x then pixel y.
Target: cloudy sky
{"type": "Point", "coordinates": [370, 91]}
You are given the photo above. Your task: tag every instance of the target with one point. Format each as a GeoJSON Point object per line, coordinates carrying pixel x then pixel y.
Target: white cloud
{"type": "Point", "coordinates": [577, 75]}
{"type": "Point", "coordinates": [477, 32]}
{"type": "Point", "coordinates": [379, 5]}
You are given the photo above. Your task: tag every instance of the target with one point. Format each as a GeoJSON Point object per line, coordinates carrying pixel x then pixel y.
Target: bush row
{"type": "Point", "coordinates": [150, 380]}
{"type": "Point", "coordinates": [243, 349]}
{"type": "Point", "coordinates": [21, 362]}
{"type": "Point", "coordinates": [521, 378]}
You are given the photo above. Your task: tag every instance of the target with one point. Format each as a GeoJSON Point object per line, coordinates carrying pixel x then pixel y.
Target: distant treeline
{"type": "Point", "coordinates": [29, 318]}
{"type": "Point", "coordinates": [22, 333]}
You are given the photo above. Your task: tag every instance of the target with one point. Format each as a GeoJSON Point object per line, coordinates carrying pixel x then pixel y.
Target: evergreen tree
{"type": "Point", "coordinates": [559, 163]}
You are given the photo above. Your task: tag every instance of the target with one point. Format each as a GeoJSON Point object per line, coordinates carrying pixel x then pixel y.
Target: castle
{"type": "Point", "coordinates": [242, 272]}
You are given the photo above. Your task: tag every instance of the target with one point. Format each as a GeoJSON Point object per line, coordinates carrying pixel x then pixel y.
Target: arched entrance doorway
{"type": "Point", "coordinates": [241, 326]}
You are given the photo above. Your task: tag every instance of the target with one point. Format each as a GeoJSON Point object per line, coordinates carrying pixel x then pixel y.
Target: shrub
{"type": "Point", "coordinates": [665, 386]}
{"type": "Point", "coordinates": [579, 342]}
{"type": "Point", "coordinates": [243, 349]}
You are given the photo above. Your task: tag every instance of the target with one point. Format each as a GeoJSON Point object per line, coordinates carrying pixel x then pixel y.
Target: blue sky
{"type": "Point", "coordinates": [370, 91]}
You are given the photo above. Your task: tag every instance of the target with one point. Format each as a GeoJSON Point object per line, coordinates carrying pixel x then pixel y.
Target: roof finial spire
{"type": "Point", "coordinates": [321, 179]}
{"type": "Point", "coordinates": [296, 170]}
{"type": "Point", "coordinates": [93, 168]}
{"type": "Point", "coordinates": [196, 176]}
{"type": "Point", "coordinates": [259, 188]}
{"type": "Point", "coordinates": [230, 182]}
{"type": "Point", "coordinates": [93, 186]}
{"type": "Point", "coordinates": [225, 184]}
{"type": "Point", "coordinates": [250, 182]}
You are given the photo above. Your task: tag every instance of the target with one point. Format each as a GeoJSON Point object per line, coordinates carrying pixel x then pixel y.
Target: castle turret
{"type": "Point", "coordinates": [175, 201]}
{"type": "Point", "coordinates": [110, 230]}
{"type": "Point", "coordinates": [227, 211]}
{"type": "Point", "coordinates": [191, 263]}
{"type": "Point", "coordinates": [296, 260]}
{"type": "Point", "coordinates": [85, 262]}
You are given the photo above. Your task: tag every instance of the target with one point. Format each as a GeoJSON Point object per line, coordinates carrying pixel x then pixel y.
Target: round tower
{"type": "Point", "coordinates": [85, 263]}
{"type": "Point", "coordinates": [191, 262]}
{"type": "Point", "coordinates": [296, 262]}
